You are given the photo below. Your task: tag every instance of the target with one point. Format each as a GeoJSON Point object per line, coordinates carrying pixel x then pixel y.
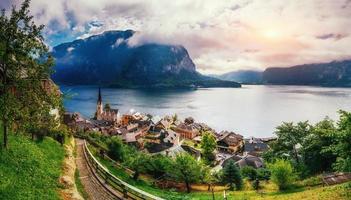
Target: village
{"type": "Point", "coordinates": [170, 135]}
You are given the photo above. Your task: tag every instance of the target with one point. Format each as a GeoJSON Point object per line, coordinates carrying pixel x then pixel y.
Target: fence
{"type": "Point", "coordinates": [128, 191]}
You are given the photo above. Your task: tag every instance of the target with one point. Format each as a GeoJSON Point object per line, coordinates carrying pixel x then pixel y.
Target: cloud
{"type": "Point", "coordinates": [335, 36]}
{"type": "Point", "coordinates": [220, 36]}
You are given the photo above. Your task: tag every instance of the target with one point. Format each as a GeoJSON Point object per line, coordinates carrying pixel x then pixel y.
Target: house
{"type": "Point", "coordinates": [132, 127]}
{"type": "Point", "coordinates": [229, 142]}
{"type": "Point", "coordinates": [255, 146]}
{"type": "Point", "coordinates": [126, 119]}
{"type": "Point", "coordinates": [172, 137]}
{"type": "Point", "coordinates": [186, 130]}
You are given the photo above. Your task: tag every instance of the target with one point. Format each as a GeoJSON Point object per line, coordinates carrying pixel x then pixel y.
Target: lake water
{"type": "Point", "coordinates": [253, 110]}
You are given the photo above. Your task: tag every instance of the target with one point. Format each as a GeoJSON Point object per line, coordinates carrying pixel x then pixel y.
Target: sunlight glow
{"type": "Point", "coordinates": [271, 33]}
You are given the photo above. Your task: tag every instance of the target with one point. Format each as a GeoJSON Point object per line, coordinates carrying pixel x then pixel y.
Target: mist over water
{"type": "Point", "coordinates": [253, 110]}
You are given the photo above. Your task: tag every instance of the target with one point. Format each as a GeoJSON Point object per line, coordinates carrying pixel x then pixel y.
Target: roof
{"type": "Point", "coordinates": [235, 158]}
{"type": "Point", "coordinates": [254, 144]}
{"type": "Point", "coordinates": [155, 119]}
{"type": "Point", "coordinates": [249, 160]}
{"type": "Point", "coordinates": [187, 127]}
{"type": "Point", "coordinates": [230, 138]}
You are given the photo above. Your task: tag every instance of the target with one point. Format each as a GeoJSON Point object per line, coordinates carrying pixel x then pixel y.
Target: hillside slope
{"type": "Point", "coordinates": [30, 170]}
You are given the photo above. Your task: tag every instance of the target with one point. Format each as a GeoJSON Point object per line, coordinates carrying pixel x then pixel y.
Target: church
{"type": "Point", "coordinates": [105, 113]}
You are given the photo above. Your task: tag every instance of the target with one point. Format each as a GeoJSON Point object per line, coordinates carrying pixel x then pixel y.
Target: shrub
{"type": "Point", "coordinates": [263, 174]}
{"type": "Point", "coordinates": [249, 172]}
{"type": "Point", "coordinates": [282, 173]}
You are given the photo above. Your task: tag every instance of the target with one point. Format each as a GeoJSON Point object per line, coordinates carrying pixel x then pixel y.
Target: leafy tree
{"type": "Point", "coordinates": [158, 165]}
{"type": "Point", "coordinates": [24, 63]}
{"type": "Point", "coordinates": [291, 136]}
{"type": "Point", "coordinates": [249, 172]}
{"type": "Point", "coordinates": [342, 145]}
{"type": "Point", "coordinates": [138, 163]}
{"type": "Point", "coordinates": [282, 173]}
{"type": "Point", "coordinates": [116, 149]}
{"type": "Point", "coordinates": [186, 169]}
{"type": "Point", "coordinates": [316, 157]}
{"type": "Point", "coordinates": [208, 145]}
{"type": "Point", "coordinates": [231, 176]}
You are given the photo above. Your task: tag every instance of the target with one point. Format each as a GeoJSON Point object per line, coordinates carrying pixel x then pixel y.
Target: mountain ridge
{"type": "Point", "coordinates": [108, 59]}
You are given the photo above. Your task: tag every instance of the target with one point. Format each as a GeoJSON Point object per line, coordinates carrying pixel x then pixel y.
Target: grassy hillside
{"type": "Point", "coordinates": [30, 170]}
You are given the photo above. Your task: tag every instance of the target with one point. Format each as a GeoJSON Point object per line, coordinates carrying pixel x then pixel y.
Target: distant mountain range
{"type": "Point", "coordinates": [242, 76]}
{"type": "Point", "coordinates": [336, 73]}
{"type": "Point", "coordinates": [332, 74]}
{"type": "Point", "coordinates": [107, 59]}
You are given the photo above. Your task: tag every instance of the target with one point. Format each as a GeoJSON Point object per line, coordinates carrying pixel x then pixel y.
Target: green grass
{"type": "Point", "coordinates": [80, 186]}
{"type": "Point", "coordinates": [268, 191]}
{"type": "Point", "coordinates": [30, 170]}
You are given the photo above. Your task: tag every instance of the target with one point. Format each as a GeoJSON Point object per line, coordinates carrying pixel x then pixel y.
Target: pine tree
{"type": "Point", "coordinates": [231, 176]}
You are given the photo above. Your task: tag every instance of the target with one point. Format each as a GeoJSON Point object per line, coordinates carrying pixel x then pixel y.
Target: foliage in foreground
{"type": "Point", "coordinates": [314, 149]}
{"type": "Point", "coordinates": [231, 175]}
{"type": "Point", "coordinates": [30, 170]}
{"type": "Point", "coordinates": [282, 174]}
{"type": "Point", "coordinates": [24, 63]}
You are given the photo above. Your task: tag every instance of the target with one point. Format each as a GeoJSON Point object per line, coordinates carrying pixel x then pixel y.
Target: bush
{"type": "Point", "coordinates": [263, 174]}
{"type": "Point", "coordinates": [282, 173]}
{"type": "Point", "coordinates": [249, 172]}
{"type": "Point", "coordinates": [116, 149]}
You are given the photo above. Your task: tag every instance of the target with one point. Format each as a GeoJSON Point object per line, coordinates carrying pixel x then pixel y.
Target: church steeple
{"type": "Point", "coordinates": [99, 97]}
{"type": "Point", "coordinates": [99, 109]}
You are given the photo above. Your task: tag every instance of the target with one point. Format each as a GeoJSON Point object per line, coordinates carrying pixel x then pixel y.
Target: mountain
{"type": "Point", "coordinates": [107, 59]}
{"type": "Point", "coordinates": [243, 76]}
{"type": "Point", "coordinates": [336, 73]}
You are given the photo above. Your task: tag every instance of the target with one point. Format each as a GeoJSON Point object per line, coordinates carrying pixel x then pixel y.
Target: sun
{"type": "Point", "coordinates": [271, 33]}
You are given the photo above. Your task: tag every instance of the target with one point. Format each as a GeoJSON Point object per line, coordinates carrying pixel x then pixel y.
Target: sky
{"type": "Point", "coordinates": [220, 36]}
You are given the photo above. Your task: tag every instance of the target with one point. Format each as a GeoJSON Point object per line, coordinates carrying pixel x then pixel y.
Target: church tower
{"type": "Point", "coordinates": [99, 109]}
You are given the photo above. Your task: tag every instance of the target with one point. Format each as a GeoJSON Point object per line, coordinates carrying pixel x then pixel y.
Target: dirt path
{"type": "Point", "coordinates": [91, 185]}
{"type": "Point", "coordinates": [67, 178]}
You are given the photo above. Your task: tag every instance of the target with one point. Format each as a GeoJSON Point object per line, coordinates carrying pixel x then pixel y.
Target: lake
{"type": "Point", "coordinates": [253, 110]}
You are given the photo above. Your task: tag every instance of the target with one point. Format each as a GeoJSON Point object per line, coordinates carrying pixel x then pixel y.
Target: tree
{"type": "Point", "coordinates": [291, 136]}
{"type": "Point", "coordinates": [186, 169]}
{"type": "Point", "coordinates": [282, 173]}
{"type": "Point", "coordinates": [138, 163]}
{"type": "Point", "coordinates": [249, 172]}
{"type": "Point", "coordinates": [231, 176]}
{"type": "Point", "coordinates": [116, 149]}
{"type": "Point", "coordinates": [316, 157]}
{"type": "Point", "coordinates": [342, 145]}
{"type": "Point", "coordinates": [208, 145]}
{"type": "Point", "coordinates": [158, 165]}
{"type": "Point", "coordinates": [24, 63]}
